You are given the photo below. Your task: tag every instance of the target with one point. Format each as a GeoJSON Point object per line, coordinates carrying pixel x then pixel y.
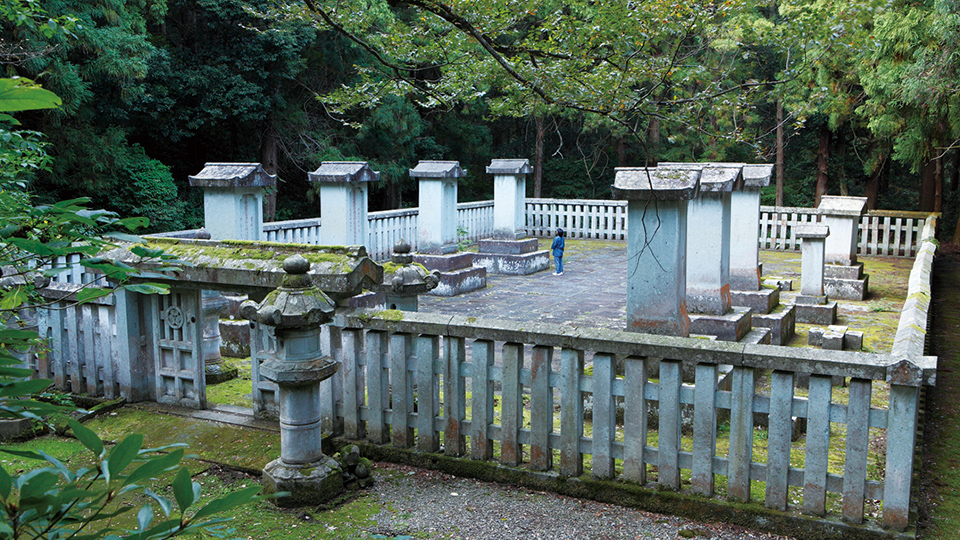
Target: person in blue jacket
{"type": "Point", "coordinates": [557, 247]}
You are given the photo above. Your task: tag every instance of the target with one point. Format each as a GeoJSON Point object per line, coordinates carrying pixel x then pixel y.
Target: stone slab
{"type": "Point", "coordinates": [781, 322]}
{"type": "Point", "coordinates": [762, 301]}
{"type": "Point", "coordinates": [757, 336]}
{"type": "Point", "coordinates": [842, 271]}
{"type": "Point", "coordinates": [730, 327]}
{"type": "Point", "coordinates": [846, 289]}
{"type": "Point", "coordinates": [782, 284]}
{"type": "Point", "coordinates": [444, 263]}
{"type": "Point", "coordinates": [489, 246]}
{"type": "Point", "coordinates": [832, 340]}
{"type": "Point", "coordinates": [811, 300]}
{"type": "Point", "coordinates": [853, 340]}
{"type": "Point", "coordinates": [815, 336]}
{"type": "Point", "coordinates": [513, 265]}
{"type": "Point", "coordinates": [369, 300]}
{"type": "Point", "coordinates": [824, 314]}
{"type": "Point", "coordinates": [461, 281]}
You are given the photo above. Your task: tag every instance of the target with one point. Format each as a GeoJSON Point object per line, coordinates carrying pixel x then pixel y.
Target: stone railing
{"type": "Point", "coordinates": [882, 232]}
{"type": "Point", "coordinates": [528, 384]}
{"type": "Point", "coordinates": [294, 231]}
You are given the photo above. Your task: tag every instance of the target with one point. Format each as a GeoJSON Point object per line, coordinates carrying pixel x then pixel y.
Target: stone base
{"type": "Point", "coordinates": [816, 313]}
{"type": "Point", "coordinates": [780, 283]}
{"type": "Point", "coordinates": [730, 327]}
{"type": "Point", "coordinates": [234, 338]}
{"type": "Point", "coordinates": [507, 247]}
{"type": "Point", "coordinates": [762, 301]}
{"type": "Point", "coordinates": [403, 303]}
{"type": "Point", "coordinates": [513, 265]}
{"type": "Point", "coordinates": [218, 373]}
{"type": "Point", "coordinates": [457, 273]}
{"type": "Point", "coordinates": [15, 428]}
{"type": "Point", "coordinates": [757, 336]}
{"type": "Point", "coordinates": [837, 338]}
{"type": "Point", "coordinates": [309, 485]}
{"type": "Point", "coordinates": [846, 289]}
{"type": "Point", "coordinates": [839, 271]}
{"type": "Point", "coordinates": [781, 322]}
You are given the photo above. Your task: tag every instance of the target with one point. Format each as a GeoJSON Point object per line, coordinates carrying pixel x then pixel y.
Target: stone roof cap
{"type": "Point", "coordinates": [645, 183]}
{"type": "Point", "coordinates": [843, 206]}
{"type": "Point", "coordinates": [757, 176]}
{"type": "Point", "coordinates": [509, 166]}
{"type": "Point", "coordinates": [438, 169]}
{"type": "Point", "coordinates": [233, 175]}
{"type": "Point", "coordinates": [344, 171]}
{"type": "Point", "coordinates": [811, 231]}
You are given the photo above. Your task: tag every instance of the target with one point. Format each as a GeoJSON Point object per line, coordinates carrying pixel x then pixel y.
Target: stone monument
{"type": "Point", "coordinates": [812, 305]}
{"type": "Point", "coordinates": [509, 251]}
{"type": "Point", "coordinates": [343, 187]}
{"type": "Point", "coordinates": [844, 275]}
{"type": "Point", "coordinates": [437, 229]}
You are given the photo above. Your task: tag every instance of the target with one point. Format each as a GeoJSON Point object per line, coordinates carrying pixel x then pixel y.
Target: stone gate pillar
{"type": "Point", "coordinates": [343, 201]}
{"type": "Point", "coordinates": [233, 199]}
{"type": "Point", "coordinates": [745, 227]}
{"type": "Point", "coordinates": [844, 274]}
{"type": "Point", "coordinates": [812, 304]}
{"type": "Point", "coordinates": [656, 247]}
{"type": "Point", "coordinates": [437, 221]}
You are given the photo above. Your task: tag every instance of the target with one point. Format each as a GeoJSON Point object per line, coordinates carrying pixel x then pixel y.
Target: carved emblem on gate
{"type": "Point", "coordinates": [173, 315]}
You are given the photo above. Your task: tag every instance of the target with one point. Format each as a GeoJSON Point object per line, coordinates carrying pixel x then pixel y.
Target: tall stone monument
{"type": "Point", "coordinates": [437, 229]}
{"type": "Point", "coordinates": [343, 187]}
{"type": "Point", "coordinates": [843, 273]}
{"type": "Point", "coordinates": [657, 247]}
{"type": "Point", "coordinates": [812, 304]}
{"type": "Point", "coordinates": [509, 251]}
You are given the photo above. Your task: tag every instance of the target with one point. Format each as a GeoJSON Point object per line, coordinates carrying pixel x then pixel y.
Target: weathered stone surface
{"type": "Point", "coordinates": [457, 282]}
{"type": "Point", "coordinates": [762, 301]}
{"type": "Point", "coordinates": [644, 183]}
{"type": "Point", "coordinates": [780, 283]}
{"type": "Point", "coordinates": [308, 484]}
{"type": "Point", "coordinates": [235, 338]}
{"type": "Point", "coordinates": [344, 171]}
{"type": "Point", "coordinates": [824, 314]}
{"type": "Point", "coordinates": [781, 322]}
{"type": "Point", "coordinates": [842, 271]}
{"type": "Point", "coordinates": [853, 340]}
{"type": "Point", "coordinates": [490, 246]}
{"type": "Point", "coordinates": [444, 263]}
{"type": "Point", "coordinates": [832, 340]}
{"type": "Point", "coordinates": [815, 336]}
{"type": "Point", "coordinates": [514, 265]}
{"type": "Point", "coordinates": [730, 327]}
{"type": "Point", "coordinates": [846, 289]}
{"type": "Point", "coordinates": [438, 169]}
{"type": "Point", "coordinates": [229, 175]}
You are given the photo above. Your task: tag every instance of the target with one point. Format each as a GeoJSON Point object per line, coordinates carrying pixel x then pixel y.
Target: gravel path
{"type": "Point", "coordinates": [431, 504]}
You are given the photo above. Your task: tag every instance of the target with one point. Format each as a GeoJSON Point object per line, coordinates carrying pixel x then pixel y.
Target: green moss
{"type": "Point", "coordinates": [390, 267]}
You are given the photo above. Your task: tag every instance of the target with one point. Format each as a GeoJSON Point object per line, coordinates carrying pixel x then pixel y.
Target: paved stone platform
{"type": "Point", "coordinates": [592, 292]}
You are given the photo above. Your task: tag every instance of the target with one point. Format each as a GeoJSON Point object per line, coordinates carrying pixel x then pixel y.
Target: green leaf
{"type": "Point", "coordinates": [5, 483]}
{"type": "Point", "coordinates": [145, 517]}
{"type": "Point", "coordinates": [86, 437]}
{"type": "Point", "coordinates": [124, 237]}
{"type": "Point", "coordinates": [148, 288]}
{"type": "Point", "coordinates": [142, 251]}
{"type": "Point", "coordinates": [14, 298]}
{"type": "Point", "coordinates": [123, 454]}
{"type": "Point", "coordinates": [162, 501]}
{"type": "Point", "coordinates": [92, 293]}
{"type": "Point", "coordinates": [231, 500]}
{"type": "Point", "coordinates": [64, 472]}
{"type": "Point", "coordinates": [20, 94]}
{"type": "Point", "coordinates": [23, 453]}
{"type": "Point", "coordinates": [32, 246]}
{"type": "Point", "coordinates": [155, 466]}
{"type": "Point", "coordinates": [183, 489]}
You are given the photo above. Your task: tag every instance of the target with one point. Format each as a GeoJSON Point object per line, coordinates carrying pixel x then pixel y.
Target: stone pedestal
{"type": "Point", "coordinates": [297, 310]}
{"type": "Point", "coordinates": [456, 271]}
{"type": "Point", "coordinates": [811, 304]}
{"type": "Point", "coordinates": [212, 304]}
{"type": "Point", "coordinates": [508, 252]}
{"type": "Point", "coordinates": [844, 278]}
{"type": "Point", "coordinates": [404, 281]}
{"type": "Point", "coordinates": [343, 201]}
{"type": "Point", "coordinates": [657, 247]}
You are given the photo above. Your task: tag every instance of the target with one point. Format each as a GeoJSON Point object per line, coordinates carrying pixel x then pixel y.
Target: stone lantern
{"type": "Point", "coordinates": [408, 281]}
{"type": "Point", "coordinates": [297, 310]}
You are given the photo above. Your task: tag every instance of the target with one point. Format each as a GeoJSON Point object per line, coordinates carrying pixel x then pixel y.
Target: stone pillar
{"type": "Point", "coordinates": [233, 199]}
{"type": "Point", "coordinates": [812, 249]}
{"type": "Point", "coordinates": [298, 310]}
{"type": "Point", "coordinates": [745, 227]}
{"type": "Point", "coordinates": [708, 242]}
{"type": "Point", "coordinates": [343, 201]}
{"type": "Point", "coordinates": [437, 220]}
{"type": "Point", "coordinates": [812, 305]}
{"type": "Point", "coordinates": [656, 247]}
{"type": "Point", "coordinates": [509, 197]}
{"type": "Point", "coordinates": [842, 215]}
{"type": "Point", "coordinates": [844, 275]}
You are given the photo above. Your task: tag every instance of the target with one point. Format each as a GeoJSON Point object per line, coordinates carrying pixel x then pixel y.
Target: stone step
{"type": "Point", "coordinates": [781, 322]}
{"type": "Point", "coordinates": [757, 336]}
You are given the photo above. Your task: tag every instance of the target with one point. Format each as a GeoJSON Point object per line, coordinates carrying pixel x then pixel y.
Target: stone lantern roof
{"type": "Point", "coordinates": [438, 169]}
{"type": "Point", "coordinates": [344, 171]}
{"type": "Point", "coordinates": [842, 206]}
{"type": "Point", "coordinates": [409, 279]}
{"type": "Point", "coordinates": [509, 166]}
{"type": "Point", "coordinates": [225, 175]}
{"type": "Point", "coordinates": [295, 304]}
{"type": "Point", "coordinates": [757, 176]}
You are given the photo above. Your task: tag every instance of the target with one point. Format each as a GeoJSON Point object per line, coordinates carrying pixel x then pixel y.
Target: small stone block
{"type": "Point", "coordinates": [781, 322]}
{"type": "Point", "coordinates": [762, 301]}
{"type": "Point", "coordinates": [513, 265]}
{"type": "Point", "coordinates": [837, 328]}
{"type": "Point", "coordinates": [825, 314]}
{"type": "Point", "coordinates": [815, 336]}
{"type": "Point", "coordinates": [782, 284]}
{"type": "Point", "coordinates": [444, 263]}
{"type": "Point", "coordinates": [811, 300]}
{"type": "Point", "coordinates": [757, 336]}
{"type": "Point", "coordinates": [832, 341]}
{"type": "Point", "coordinates": [461, 281]}
{"type": "Point", "coordinates": [507, 247]}
{"type": "Point", "coordinates": [846, 289]}
{"type": "Point", "coordinates": [840, 271]}
{"type": "Point", "coordinates": [730, 327]}
{"type": "Point", "coordinates": [853, 340]}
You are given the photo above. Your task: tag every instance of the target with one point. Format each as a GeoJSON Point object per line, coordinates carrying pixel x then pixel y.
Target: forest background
{"type": "Point", "coordinates": [854, 97]}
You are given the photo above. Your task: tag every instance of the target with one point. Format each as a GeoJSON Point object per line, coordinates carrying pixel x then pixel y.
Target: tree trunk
{"type": "Point", "coordinates": [928, 190]}
{"type": "Point", "coordinates": [268, 158]}
{"type": "Point", "coordinates": [779, 164]}
{"type": "Point", "coordinates": [938, 185]}
{"type": "Point", "coordinates": [955, 173]}
{"type": "Point", "coordinates": [621, 151]}
{"type": "Point", "coordinates": [872, 188]}
{"type": "Point", "coordinates": [823, 157]}
{"type": "Point", "coordinates": [653, 142]}
{"type": "Point", "coordinates": [541, 129]}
